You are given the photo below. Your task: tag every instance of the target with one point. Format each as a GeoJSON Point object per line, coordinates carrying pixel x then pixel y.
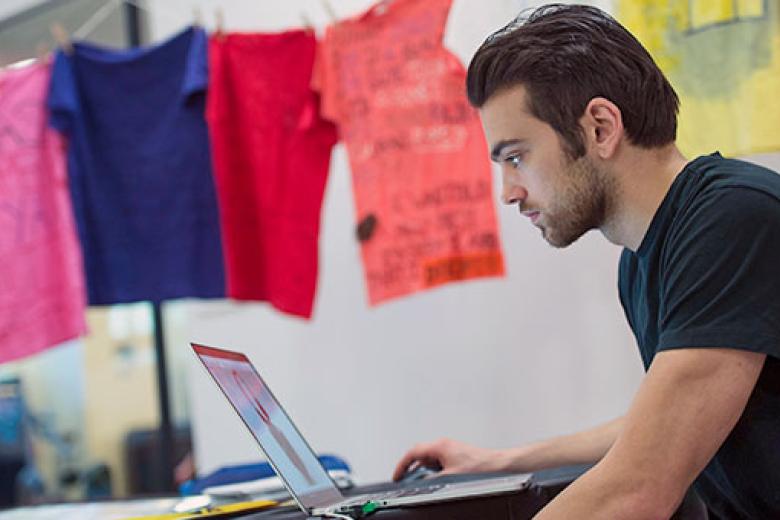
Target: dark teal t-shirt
{"type": "Point", "coordinates": [707, 275]}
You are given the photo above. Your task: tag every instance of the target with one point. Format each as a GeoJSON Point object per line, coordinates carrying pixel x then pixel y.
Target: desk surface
{"type": "Point", "coordinates": [521, 505]}
{"type": "Point", "coordinates": [513, 506]}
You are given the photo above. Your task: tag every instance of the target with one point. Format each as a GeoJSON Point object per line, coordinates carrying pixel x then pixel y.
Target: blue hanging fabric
{"type": "Point", "coordinates": [140, 168]}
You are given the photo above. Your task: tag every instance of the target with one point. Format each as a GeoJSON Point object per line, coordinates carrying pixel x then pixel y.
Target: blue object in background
{"type": "Point", "coordinates": [249, 472]}
{"type": "Point", "coordinates": [11, 416]}
{"type": "Point", "coordinates": [12, 439]}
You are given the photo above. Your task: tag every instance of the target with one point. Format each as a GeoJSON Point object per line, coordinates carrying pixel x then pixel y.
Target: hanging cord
{"type": "Point", "coordinates": [307, 23]}
{"type": "Point", "coordinates": [18, 64]}
{"type": "Point", "coordinates": [62, 37]}
{"type": "Point", "coordinates": [330, 10]}
{"type": "Point", "coordinates": [219, 17]}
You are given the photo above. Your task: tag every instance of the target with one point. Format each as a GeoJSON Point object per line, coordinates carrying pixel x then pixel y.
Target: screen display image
{"type": "Point", "coordinates": [270, 425]}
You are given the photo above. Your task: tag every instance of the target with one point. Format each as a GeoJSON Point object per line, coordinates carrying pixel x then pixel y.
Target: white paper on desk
{"type": "Point", "coordinates": [109, 510]}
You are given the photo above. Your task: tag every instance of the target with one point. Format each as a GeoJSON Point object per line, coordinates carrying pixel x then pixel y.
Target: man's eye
{"type": "Point", "coordinates": [515, 161]}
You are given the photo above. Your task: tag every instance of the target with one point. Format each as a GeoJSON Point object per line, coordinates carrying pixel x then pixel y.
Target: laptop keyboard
{"type": "Point", "coordinates": [407, 492]}
{"type": "Point", "coordinates": [420, 490]}
{"type": "Point", "coordinates": [397, 493]}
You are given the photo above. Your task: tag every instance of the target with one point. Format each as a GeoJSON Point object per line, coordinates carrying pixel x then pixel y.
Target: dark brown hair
{"type": "Point", "coordinates": [564, 56]}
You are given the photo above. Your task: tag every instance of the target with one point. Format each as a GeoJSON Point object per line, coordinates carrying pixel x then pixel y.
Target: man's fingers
{"type": "Point", "coordinates": [446, 472]}
{"type": "Point", "coordinates": [404, 464]}
{"type": "Point", "coordinates": [422, 455]}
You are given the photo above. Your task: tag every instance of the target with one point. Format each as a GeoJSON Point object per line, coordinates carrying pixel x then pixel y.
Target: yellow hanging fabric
{"type": "Point", "coordinates": [723, 59]}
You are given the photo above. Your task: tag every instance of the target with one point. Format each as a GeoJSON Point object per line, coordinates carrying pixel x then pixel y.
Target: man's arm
{"type": "Point", "coordinates": [685, 408]}
{"type": "Point", "coordinates": [456, 457]}
{"type": "Point", "coordinates": [585, 447]}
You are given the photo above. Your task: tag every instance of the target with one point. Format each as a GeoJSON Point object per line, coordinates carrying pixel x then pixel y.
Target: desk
{"type": "Point", "coordinates": [515, 506]}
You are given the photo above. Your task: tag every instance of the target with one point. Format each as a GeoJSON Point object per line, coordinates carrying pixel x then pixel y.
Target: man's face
{"type": "Point", "coordinates": [565, 198]}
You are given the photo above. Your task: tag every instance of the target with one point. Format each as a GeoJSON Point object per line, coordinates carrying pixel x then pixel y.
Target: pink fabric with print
{"type": "Point", "coordinates": [420, 170]}
{"type": "Point", "coordinates": [42, 296]}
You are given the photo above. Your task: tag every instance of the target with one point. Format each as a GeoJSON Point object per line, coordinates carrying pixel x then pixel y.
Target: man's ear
{"type": "Point", "coordinates": [602, 124]}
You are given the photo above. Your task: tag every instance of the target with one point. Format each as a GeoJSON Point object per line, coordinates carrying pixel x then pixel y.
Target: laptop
{"type": "Point", "coordinates": [296, 464]}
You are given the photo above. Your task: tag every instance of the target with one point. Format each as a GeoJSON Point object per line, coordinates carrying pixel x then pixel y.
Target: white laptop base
{"type": "Point", "coordinates": [438, 493]}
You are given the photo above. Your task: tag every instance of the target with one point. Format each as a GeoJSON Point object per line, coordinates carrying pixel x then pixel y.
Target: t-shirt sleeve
{"type": "Point", "coordinates": [196, 72]}
{"type": "Point", "coordinates": [720, 282]}
{"type": "Point", "coordinates": [62, 98]}
{"type": "Point", "coordinates": [626, 269]}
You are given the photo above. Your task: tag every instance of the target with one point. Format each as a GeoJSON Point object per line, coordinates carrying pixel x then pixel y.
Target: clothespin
{"type": "Point", "coordinates": [41, 50]}
{"type": "Point", "coordinates": [381, 7]}
{"type": "Point", "coordinates": [219, 16]}
{"type": "Point", "coordinates": [61, 36]}
{"type": "Point", "coordinates": [329, 9]}
{"type": "Point", "coordinates": [306, 22]}
{"type": "Point", "coordinates": [197, 17]}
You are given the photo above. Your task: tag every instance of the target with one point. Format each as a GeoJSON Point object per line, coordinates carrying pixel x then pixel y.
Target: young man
{"type": "Point", "coordinates": [583, 124]}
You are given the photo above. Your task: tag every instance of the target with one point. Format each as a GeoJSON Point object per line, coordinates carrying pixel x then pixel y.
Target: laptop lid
{"type": "Point", "coordinates": [283, 445]}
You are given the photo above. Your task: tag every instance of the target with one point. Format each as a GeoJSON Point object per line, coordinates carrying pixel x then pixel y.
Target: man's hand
{"type": "Point", "coordinates": [452, 457]}
{"type": "Point", "coordinates": [585, 447]}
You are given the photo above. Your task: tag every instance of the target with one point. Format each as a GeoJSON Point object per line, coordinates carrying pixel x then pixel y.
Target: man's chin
{"type": "Point", "coordinates": [558, 241]}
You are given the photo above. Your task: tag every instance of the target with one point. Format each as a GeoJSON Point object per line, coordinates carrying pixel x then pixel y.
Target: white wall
{"type": "Point", "coordinates": [499, 362]}
{"type": "Point", "coordinates": [11, 7]}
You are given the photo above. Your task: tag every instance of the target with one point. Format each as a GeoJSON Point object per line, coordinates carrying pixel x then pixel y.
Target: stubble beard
{"type": "Point", "coordinates": [581, 204]}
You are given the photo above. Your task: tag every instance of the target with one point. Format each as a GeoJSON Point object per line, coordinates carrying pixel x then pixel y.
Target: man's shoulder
{"type": "Point", "coordinates": [729, 212]}
{"type": "Point", "coordinates": [714, 175]}
{"type": "Point", "coordinates": [728, 193]}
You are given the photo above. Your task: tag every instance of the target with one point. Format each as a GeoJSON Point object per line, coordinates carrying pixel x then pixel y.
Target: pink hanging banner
{"type": "Point", "coordinates": [42, 298]}
{"type": "Point", "coordinates": [421, 175]}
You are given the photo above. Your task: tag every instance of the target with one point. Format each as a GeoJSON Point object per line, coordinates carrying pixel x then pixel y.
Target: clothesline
{"type": "Point", "coordinates": [163, 235]}
{"type": "Point", "coordinates": [101, 14]}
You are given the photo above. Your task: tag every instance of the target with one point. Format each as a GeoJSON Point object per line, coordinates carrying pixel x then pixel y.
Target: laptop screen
{"type": "Point", "coordinates": [283, 445]}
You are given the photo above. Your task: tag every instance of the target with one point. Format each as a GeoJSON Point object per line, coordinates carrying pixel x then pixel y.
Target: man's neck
{"type": "Point", "coordinates": [643, 177]}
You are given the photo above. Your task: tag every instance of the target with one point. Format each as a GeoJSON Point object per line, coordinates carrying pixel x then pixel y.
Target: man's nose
{"type": "Point", "coordinates": [513, 194]}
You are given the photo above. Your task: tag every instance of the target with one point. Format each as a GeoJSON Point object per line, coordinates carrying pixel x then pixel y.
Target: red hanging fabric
{"type": "Point", "coordinates": [271, 152]}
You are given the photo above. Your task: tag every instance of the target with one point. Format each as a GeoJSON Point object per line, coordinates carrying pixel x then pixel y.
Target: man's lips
{"type": "Point", "coordinates": [533, 215]}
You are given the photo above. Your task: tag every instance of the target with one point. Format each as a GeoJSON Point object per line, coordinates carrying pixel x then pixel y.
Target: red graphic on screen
{"type": "Point", "coordinates": [277, 434]}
